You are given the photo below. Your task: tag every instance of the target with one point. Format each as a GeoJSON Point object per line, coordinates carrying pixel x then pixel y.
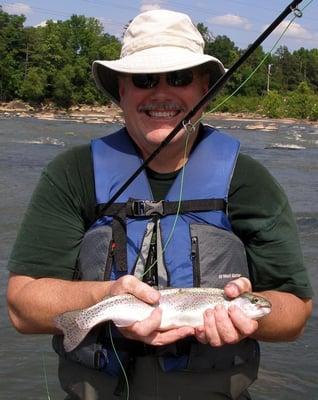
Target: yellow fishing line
{"type": "Point", "coordinates": [214, 109]}
{"type": "Point", "coordinates": [119, 360]}
{"type": "Point", "coordinates": [45, 376]}
{"type": "Point", "coordinates": [259, 65]}
{"type": "Point", "coordinates": [179, 203]}
{"type": "Point", "coordinates": [151, 266]}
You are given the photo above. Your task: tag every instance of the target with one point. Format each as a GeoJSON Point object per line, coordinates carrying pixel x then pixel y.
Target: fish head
{"type": "Point", "coordinates": [253, 305]}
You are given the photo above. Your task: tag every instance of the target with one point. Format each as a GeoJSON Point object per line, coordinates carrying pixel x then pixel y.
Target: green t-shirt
{"type": "Point", "coordinates": [63, 204]}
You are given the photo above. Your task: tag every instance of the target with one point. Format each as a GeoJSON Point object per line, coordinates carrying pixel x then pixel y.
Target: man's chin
{"type": "Point", "coordinates": [156, 136]}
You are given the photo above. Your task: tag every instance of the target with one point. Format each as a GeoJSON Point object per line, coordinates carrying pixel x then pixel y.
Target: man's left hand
{"type": "Point", "coordinates": [230, 326]}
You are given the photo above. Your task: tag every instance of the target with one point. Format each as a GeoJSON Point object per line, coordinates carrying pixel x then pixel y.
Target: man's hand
{"type": "Point", "coordinates": [227, 327]}
{"type": "Point", "coordinates": [147, 331]}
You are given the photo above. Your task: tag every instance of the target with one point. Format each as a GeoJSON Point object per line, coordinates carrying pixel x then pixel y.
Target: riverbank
{"type": "Point", "coordinates": [113, 114]}
{"type": "Point", "coordinates": [83, 113]}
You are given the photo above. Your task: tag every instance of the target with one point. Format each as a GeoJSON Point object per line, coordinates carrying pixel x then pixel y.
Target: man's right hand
{"type": "Point", "coordinates": [147, 331]}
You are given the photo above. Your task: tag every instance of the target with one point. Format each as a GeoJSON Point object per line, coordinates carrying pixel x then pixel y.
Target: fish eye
{"type": "Point", "coordinates": [255, 300]}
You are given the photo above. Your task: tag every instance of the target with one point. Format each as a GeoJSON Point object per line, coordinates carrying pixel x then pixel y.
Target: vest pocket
{"type": "Point", "coordinates": [218, 256]}
{"type": "Point", "coordinates": [95, 257]}
{"type": "Point", "coordinates": [231, 368]}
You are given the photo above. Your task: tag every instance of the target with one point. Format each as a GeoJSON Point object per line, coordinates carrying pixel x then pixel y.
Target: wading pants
{"type": "Point", "coordinates": [148, 382]}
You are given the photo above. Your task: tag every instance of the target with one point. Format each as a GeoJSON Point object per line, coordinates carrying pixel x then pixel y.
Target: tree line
{"type": "Point", "coordinates": [52, 64]}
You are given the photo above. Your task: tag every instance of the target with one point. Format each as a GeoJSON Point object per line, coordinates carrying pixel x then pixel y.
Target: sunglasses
{"type": "Point", "coordinates": [175, 78]}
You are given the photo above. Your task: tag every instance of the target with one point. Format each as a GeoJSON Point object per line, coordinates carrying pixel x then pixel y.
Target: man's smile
{"type": "Point", "coordinates": [161, 111]}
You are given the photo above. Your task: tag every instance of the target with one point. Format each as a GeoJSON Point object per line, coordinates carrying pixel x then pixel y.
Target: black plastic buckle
{"type": "Point", "coordinates": [145, 208]}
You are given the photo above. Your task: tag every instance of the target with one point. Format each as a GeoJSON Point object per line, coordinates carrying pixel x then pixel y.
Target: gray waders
{"type": "Point", "coordinates": [148, 382]}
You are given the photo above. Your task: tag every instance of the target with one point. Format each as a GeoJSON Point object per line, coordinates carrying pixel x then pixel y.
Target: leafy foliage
{"type": "Point", "coordinates": [52, 63]}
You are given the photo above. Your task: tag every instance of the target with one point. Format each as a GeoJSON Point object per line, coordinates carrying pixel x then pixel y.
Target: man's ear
{"type": "Point", "coordinates": [207, 83]}
{"type": "Point", "coordinates": [121, 87]}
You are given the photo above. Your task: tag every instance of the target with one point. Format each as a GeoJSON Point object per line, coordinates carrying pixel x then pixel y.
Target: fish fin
{"type": "Point", "coordinates": [73, 334]}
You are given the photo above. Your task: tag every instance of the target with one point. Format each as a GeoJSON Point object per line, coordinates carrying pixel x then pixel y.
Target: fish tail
{"type": "Point", "coordinates": [73, 334]}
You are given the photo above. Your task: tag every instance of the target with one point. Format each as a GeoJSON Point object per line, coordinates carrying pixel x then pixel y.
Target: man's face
{"type": "Point", "coordinates": [151, 113]}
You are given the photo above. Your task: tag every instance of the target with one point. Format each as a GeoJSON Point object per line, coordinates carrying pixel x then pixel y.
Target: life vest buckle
{"type": "Point", "coordinates": [145, 208]}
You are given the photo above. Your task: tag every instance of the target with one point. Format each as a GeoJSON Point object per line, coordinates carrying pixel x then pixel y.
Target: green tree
{"type": "Point", "coordinates": [312, 68]}
{"type": "Point", "coordinates": [224, 49]}
{"type": "Point", "coordinates": [12, 56]}
{"type": "Point", "coordinates": [300, 102]}
{"type": "Point", "coordinates": [208, 36]}
{"type": "Point", "coordinates": [256, 84]}
{"type": "Point", "coordinates": [110, 47]}
{"type": "Point", "coordinates": [287, 70]}
{"type": "Point", "coordinates": [53, 63]}
{"type": "Point", "coordinates": [63, 89]}
{"type": "Point", "coordinates": [34, 85]}
{"type": "Point", "coordinates": [273, 105]}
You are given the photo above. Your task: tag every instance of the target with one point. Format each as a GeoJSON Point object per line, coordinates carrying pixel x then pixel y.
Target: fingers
{"type": "Point", "coordinates": [130, 284]}
{"type": "Point", "coordinates": [144, 328]}
{"type": "Point", "coordinates": [171, 336]}
{"type": "Point", "coordinates": [246, 326]}
{"type": "Point", "coordinates": [158, 338]}
{"type": "Point", "coordinates": [220, 328]}
{"type": "Point", "coordinates": [237, 287]}
{"type": "Point", "coordinates": [147, 331]}
{"type": "Point", "coordinates": [223, 326]}
{"type": "Point", "coordinates": [200, 335]}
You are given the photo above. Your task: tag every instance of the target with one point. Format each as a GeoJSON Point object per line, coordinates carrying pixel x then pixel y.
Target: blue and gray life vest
{"type": "Point", "coordinates": [195, 245]}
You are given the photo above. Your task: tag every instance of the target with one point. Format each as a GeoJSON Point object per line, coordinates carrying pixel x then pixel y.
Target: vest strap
{"type": "Point", "coordinates": [120, 241]}
{"type": "Point", "coordinates": [147, 208]}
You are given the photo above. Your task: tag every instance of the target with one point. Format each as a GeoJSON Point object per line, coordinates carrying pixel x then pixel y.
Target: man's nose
{"type": "Point", "coordinates": [162, 84]}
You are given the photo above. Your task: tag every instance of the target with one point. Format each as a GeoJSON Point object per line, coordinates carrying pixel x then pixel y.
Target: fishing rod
{"type": "Point", "coordinates": [186, 121]}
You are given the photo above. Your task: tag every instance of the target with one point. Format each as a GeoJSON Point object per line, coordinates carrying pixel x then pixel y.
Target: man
{"type": "Point", "coordinates": [64, 259]}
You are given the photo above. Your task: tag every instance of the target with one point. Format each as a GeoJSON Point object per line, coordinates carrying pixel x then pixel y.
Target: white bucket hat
{"type": "Point", "coordinates": [156, 41]}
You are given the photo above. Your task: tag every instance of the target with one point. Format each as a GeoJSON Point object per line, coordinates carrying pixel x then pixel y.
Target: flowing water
{"type": "Point", "coordinates": [28, 367]}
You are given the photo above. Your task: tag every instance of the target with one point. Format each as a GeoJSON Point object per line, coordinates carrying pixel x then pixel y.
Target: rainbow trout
{"type": "Point", "coordinates": [180, 307]}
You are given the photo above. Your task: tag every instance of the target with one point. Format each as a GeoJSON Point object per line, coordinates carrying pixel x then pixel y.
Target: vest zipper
{"type": "Point", "coordinates": [195, 261]}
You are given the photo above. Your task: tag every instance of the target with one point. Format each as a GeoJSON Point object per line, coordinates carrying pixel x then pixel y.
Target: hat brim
{"type": "Point", "coordinates": [154, 60]}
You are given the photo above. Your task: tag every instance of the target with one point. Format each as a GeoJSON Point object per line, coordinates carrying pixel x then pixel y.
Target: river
{"type": "Point", "coordinates": [290, 151]}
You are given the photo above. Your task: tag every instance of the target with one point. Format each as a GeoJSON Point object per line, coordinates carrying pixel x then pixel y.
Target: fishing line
{"type": "Point", "coordinates": [298, 13]}
{"type": "Point", "coordinates": [119, 360]}
{"type": "Point", "coordinates": [188, 129]}
{"type": "Point", "coordinates": [45, 376]}
{"type": "Point", "coordinates": [203, 101]}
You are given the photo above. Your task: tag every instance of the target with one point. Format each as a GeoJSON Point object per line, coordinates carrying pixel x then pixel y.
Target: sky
{"type": "Point", "coordinates": [241, 20]}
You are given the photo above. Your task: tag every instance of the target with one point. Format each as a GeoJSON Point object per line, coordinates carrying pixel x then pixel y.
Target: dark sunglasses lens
{"type": "Point", "coordinates": [180, 78]}
{"type": "Point", "coordinates": [145, 81]}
